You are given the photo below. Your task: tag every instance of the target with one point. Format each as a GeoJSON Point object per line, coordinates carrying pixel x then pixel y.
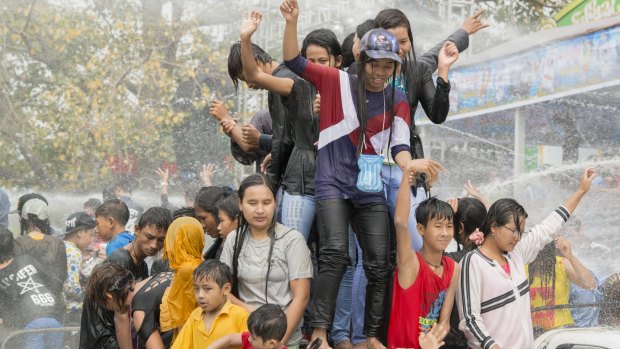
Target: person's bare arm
{"type": "Point", "coordinates": [584, 185]}
{"type": "Point", "coordinates": [252, 74]}
{"type": "Point", "coordinates": [406, 259]}
{"type": "Point", "coordinates": [300, 289]}
{"type": "Point", "coordinates": [577, 273]}
{"type": "Point", "coordinates": [446, 308]}
{"type": "Point", "coordinates": [236, 301]}
{"type": "Point", "coordinates": [122, 329]}
{"type": "Point", "coordinates": [230, 340]}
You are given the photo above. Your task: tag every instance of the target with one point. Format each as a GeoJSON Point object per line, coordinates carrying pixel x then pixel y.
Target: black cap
{"type": "Point", "coordinates": [78, 221]}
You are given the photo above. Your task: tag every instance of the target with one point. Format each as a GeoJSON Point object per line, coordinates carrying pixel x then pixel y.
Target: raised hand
{"type": "Point", "coordinates": [428, 166]}
{"type": "Point", "coordinates": [164, 175]}
{"type": "Point", "coordinates": [454, 203]}
{"type": "Point", "coordinates": [473, 23]}
{"type": "Point", "coordinates": [563, 245]}
{"type": "Point", "coordinates": [316, 105]}
{"type": "Point", "coordinates": [249, 24]}
{"type": "Point", "coordinates": [289, 10]}
{"type": "Point", "coordinates": [586, 179]}
{"type": "Point", "coordinates": [206, 174]}
{"type": "Point", "coordinates": [448, 54]}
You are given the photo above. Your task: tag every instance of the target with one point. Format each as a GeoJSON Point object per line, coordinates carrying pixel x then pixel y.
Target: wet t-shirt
{"type": "Point", "coordinates": [25, 293]}
{"type": "Point", "coordinates": [148, 300]}
{"type": "Point", "coordinates": [123, 258]}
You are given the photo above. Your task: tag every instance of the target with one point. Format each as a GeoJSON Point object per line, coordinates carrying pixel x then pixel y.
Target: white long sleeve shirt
{"type": "Point", "coordinates": [494, 307]}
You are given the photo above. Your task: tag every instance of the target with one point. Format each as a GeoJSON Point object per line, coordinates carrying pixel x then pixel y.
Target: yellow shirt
{"type": "Point", "coordinates": [550, 319]}
{"type": "Point", "coordinates": [231, 319]}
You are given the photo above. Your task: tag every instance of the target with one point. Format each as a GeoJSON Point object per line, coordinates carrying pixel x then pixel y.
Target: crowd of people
{"type": "Point", "coordinates": [334, 242]}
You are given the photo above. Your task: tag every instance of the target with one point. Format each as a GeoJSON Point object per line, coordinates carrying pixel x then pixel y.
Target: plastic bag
{"type": "Point", "coordinates": [369, 178]}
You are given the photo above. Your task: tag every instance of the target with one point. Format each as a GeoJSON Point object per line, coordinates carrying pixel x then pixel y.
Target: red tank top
{"type": "Point", "coordinates": [417, 308]}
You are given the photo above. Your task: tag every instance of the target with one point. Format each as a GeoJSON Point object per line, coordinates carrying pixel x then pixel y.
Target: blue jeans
{"type": "Point", "coordinates": [358, 301]}
{"type": "Point", "coordinates": [48, 340]}
{"type": "Point", "coordinates": [298, 212]}
{"type": "Point", "coordinates": [341, 327]}
{"type": "Point", "coordinates": [392, 176]}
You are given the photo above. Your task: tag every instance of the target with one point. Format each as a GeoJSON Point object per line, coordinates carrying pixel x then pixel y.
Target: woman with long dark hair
{"type": "Point", "coordinates": [493, 297]}
{"type": "Point", "coordinates": [359, 117]}
{"type": "Point", "coordinates": [270, 262]}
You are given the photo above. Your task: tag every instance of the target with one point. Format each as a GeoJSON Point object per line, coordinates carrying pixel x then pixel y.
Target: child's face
{"type": "Point", "coordinates": [105, 227]}
{"type": "Point", "coordinates": [227, 224]}
{"type": "Point", "coordinates": [258, 343]}
{"type": "Point", "coordinates": [209, 296]}
{"type": "Point", "coordinates": [438, 233]}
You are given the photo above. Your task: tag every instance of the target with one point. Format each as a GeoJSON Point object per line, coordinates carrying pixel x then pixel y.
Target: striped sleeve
{"type": "Point", "coordinates": [469, 300]}
{"type": "Point", "coordinates": [316, 74]}
{"type": "Point", "coordinates": [541, 235]}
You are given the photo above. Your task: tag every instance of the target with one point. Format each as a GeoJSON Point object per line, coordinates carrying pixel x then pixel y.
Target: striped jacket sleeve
{"type": "Point", "coordinates": [541, 234]}
{"type": "Point", "coordinates": [469, 300]}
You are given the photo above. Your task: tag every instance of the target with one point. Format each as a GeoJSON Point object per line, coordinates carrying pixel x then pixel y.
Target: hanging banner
{"type": "Point", "coordinates": [583, 11]}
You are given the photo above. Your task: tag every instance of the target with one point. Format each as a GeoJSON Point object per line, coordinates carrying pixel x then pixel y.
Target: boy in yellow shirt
{"type": "Point", "coordinates": [215, 316]}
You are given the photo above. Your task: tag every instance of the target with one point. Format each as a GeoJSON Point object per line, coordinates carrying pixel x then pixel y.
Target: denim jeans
{"type": "Point", "coordinates": [298, 212]}
{"type": "Point", "coordinates": [48, 340]}
{"type": "Point", "coordinates": [358, 300]}
{"type": "Point", "coordinates": [392, 176]}
{"type": "Point", "coordinates": [341, 328]}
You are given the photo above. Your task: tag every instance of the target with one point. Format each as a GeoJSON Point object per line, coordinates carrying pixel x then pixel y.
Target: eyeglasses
{"type": "Point", "coordinates": [516, 233]}
{"type": "Point", "coordinates": [122, 283]}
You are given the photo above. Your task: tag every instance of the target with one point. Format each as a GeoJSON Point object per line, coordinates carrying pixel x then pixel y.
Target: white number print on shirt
{"type": "Point", "coordinates": [28, 285]}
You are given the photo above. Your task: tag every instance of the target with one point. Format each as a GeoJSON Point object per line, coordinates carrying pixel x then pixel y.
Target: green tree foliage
{"type": "Point", "coordinates": [85, 82]}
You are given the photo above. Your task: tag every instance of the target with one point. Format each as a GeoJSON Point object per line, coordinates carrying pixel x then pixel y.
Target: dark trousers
{"type": "Point", "coordinates": [370, 223]}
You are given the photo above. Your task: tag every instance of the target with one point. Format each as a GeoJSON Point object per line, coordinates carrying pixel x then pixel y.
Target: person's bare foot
{"type": "Point", "coordinates": [322, 334]}
{"type": "Point", "coordinates": [375, 343]}
{"type": "Point", "coordinates": [345, 344]}
{"type": "Point", "coordinates": [361, 345]}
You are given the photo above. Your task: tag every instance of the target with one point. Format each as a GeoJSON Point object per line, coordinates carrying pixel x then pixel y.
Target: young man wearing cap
{"type": "Point", "coordinates": [79, 232]}
{"type": "Point", "coordinates": [37, 241]}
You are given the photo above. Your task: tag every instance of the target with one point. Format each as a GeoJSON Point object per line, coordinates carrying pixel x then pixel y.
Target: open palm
{"type": "Point", "coordinates": [250, 23]}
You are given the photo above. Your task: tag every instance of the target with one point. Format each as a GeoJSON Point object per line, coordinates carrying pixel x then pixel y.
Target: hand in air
{"type": "Point", "coordinates": [316, 106]}
{"type": "Point", "coordinates": [206, 174]}
{"type": "Point", "coordinates": [250, 23]}
{"type": "Point", "coordinates": [586, 179]}
{"type": "Point", "coordinates": [289, 10]}
{"type": "Point", "coordinates": [563, 245]}
{"type": "Point", "coordinates": [164, 175]}
{"type": "Point", "coordinates": [265, 163]}
{"type": "Point", "coordinates": [473, 23]}
{"type": "Point", "coordinates": [454, 203]}
{"type": "Point", "coordinates": [433, 338]}
{"type": "Point", "coordinates": [448, 54]}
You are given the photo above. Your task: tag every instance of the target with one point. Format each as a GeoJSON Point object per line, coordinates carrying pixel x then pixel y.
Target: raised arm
{"type": "Point", "coordinates": [290, 12]}
{"type": "Point", "coordinates": [577, 273]}
{"type": "Point", "coordinates": [252, 74]}
{"type": "Point", "coordinates": [406, 259]}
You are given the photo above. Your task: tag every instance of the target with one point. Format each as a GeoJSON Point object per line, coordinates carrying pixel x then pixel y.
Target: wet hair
{"type": "Point", "coordinates": [243, 229]}
{"type": "Point", "coordinates": [393, 18]}
{"type": "Point", "coordinates": [324, 38]}
{"type": "Point", "coordinates": [214, 270]}
{"type": "Point", "coordinates": [114, 208]}
{"type": "Point", "coordinates": [347, 51]}
{"type": "Point", "coordinates": [543, 267]}
{"type": "Point", "coordinates": [433, 208]}
{"type": "Point", "coordinates": [160, 217]}
{"type": "Point", "coordinates": [6, 244]}
{"type": "Point", "coordinates": [208, 198]}
{"type": "Point", "coordinates": [501, 212]}
{"type": "Point", "coordinates": [184, 212]}
{"type": "Point", "coordinates": [230, 205]}
{"type": "Point", "coordinates": [235, 66]}
{"type": "Point", "coordinates": [102, 280]}
{"type": "Point", "coordinates": [471, 213]}
{"type": "Point", "coordinates": [268, 322]}
{"type": "Point", "coordinates": [93, 203]}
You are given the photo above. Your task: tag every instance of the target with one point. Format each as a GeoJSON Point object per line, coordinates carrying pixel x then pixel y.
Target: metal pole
{"type": "Point", "coordinates": [519, 147]}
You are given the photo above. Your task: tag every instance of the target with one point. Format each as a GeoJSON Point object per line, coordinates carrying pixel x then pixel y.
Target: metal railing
{"type": "Point", "coordinates": [18, 333]}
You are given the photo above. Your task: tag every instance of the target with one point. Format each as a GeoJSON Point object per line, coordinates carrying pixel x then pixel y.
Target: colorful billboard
{"type": "Point", "coordinates": [583, 11]}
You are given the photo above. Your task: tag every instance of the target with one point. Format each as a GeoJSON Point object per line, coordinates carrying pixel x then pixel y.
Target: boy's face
{"type": "Point", "coordinates": [85, 238]}
{"type": "Point", "coordinates": [209, 296]}
{"type": "Point", "coordinates": [149, 240]}
{"type": "Point", "coordinates": [438, 233]}
{"type": "Point", "coordinates": [105, 227]}
{"type": "Point", "coordinates": [258, 343]}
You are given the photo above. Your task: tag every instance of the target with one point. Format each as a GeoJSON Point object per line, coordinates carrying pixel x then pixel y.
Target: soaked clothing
{"type": "Point", "coordinates": [148, 299]}
{"type": "Point", "coordinates": [495, 307]}
{"type": "Point", "coordinates": [298, 177]}
{"type": "Point", "coordinates": [49, 251]}
{"type": "Point", "coordinates": [281, 141]}
{"type": "Point", "coordinates": [28, 292]}
{"type": "Point", "coordinates": [72, 289]}
{"type": "Point", "coordinates": [416, 309]}
{"type": "Point", "coordinates": [551, 293]}
{"type": "Point", "coordinates": [183, 247]}
{"type": "Point", "coordinates": [262, 121]}
{"type": "Point", "coordinates": [337, 169]}
{"type": "Point", "coordinates": [123, 258]}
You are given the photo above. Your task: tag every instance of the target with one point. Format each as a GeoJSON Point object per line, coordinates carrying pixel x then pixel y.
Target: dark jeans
{"type": "Point", "coordinates": [370, 223]}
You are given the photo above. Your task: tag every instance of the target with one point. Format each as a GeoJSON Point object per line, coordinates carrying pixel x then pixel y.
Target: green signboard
{"type": "Point", "coordinates": [583, 11]}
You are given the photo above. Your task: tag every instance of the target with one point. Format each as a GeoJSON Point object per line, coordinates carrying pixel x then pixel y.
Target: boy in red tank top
{"type": "Point", "coordinates": [425, 281]}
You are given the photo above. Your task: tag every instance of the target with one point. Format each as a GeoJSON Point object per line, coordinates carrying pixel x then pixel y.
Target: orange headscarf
{"type": "Point", "coordinates": [183, 247]}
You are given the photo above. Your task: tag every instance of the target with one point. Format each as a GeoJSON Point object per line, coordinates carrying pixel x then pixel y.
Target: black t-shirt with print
{"type": "Point", "coordinates": [122, 257]}
{"type": "Point", "coordinates": [148, 299]}
{"type": "Point", "coordinates": [25, 293]}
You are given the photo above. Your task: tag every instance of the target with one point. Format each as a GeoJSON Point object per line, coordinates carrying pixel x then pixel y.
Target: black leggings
{"type": "Point", "coordinates": [370, 223]}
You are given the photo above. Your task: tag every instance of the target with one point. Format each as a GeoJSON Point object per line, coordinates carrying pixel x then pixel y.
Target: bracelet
{"type": "Point", "coordinates": [164, 184]}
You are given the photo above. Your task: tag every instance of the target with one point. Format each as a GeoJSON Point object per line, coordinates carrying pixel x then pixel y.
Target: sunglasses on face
{"type": "Point", "coordinates": [122, 283]}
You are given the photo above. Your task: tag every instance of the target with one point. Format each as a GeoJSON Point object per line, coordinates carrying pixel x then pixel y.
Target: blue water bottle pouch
{"type": "Point", "coordinates": [369, 178]}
